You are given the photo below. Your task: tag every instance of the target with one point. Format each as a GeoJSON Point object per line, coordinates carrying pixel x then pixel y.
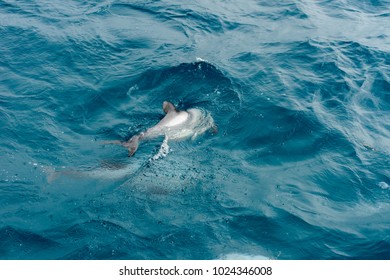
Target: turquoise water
{"type": "Point", "coordinates": [299, 168]}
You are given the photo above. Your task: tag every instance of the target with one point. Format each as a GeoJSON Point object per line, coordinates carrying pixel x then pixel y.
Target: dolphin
{"type": "Point", "coordinates": [175, 125]}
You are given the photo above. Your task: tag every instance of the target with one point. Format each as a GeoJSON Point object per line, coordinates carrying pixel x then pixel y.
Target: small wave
{"type": "Point", "coordinates": [17, 243]}
{"type": "Point", "coordinates": [199, 59]}
{"type": "Point", "coordinates": [384, 185]}
{"type": "Point", "coordinates": [240, 256]}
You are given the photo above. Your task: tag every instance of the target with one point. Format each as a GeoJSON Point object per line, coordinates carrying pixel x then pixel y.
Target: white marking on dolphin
{"type": "Point", "coordinates": [175, 125]}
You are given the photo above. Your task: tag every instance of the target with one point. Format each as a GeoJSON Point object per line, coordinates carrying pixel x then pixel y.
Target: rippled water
{"type": "Point", "coordinates": [299, 169]}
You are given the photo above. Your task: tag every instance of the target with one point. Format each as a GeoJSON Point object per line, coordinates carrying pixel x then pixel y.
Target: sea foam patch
{"type": "Point", "coordinates": [384, 185]}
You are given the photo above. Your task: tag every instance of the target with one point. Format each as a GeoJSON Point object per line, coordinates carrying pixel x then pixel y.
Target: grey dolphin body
{"type": "Point", "coordinates": [175, 125]}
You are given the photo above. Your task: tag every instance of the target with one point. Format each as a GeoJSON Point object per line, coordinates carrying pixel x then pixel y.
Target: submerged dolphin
{"type": "Point", "coordinates": [175, 125]}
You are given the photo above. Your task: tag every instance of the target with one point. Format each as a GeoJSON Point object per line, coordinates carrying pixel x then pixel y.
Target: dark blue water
{"type": "Point", "coordinates": [299, 169]}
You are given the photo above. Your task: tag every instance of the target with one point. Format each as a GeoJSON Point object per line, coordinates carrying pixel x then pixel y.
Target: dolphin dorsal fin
{"type": "Point", "coordinates": [168, 107]}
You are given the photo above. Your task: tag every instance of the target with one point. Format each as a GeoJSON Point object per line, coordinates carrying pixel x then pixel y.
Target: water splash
{"type": "Point", "coordinates": [163, 151]}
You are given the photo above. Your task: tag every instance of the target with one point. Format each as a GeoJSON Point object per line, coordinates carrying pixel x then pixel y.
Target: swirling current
{"type": "Point", "coordinates": [299, 91]}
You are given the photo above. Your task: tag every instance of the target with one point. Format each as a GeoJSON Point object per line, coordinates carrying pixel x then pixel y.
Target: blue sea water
{"type": "Point", "coordinates": [299, 168]}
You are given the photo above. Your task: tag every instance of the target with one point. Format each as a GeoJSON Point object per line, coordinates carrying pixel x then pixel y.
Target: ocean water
{"type": "Point", "coordinates": [299, 168]}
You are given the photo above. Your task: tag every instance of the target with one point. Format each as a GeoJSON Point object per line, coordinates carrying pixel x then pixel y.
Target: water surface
{"type": "Point", "coordinates": [299, 169]}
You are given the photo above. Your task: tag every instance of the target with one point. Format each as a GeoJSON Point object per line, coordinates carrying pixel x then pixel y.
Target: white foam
{"type": "Point", "coordinates": [199, 59]}
{"type": "Point", "coordinates": [163, 151]}
{"type": "Point", "coordinates": [132, 89]}
{"type": "Point", "coordinates": [384, 185]}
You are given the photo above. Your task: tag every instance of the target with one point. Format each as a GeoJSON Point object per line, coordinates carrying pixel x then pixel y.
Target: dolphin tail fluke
{"type": "Point", "coordinates": [132, 144]}
{"type": "Point", "coordinates": [51, 174]}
